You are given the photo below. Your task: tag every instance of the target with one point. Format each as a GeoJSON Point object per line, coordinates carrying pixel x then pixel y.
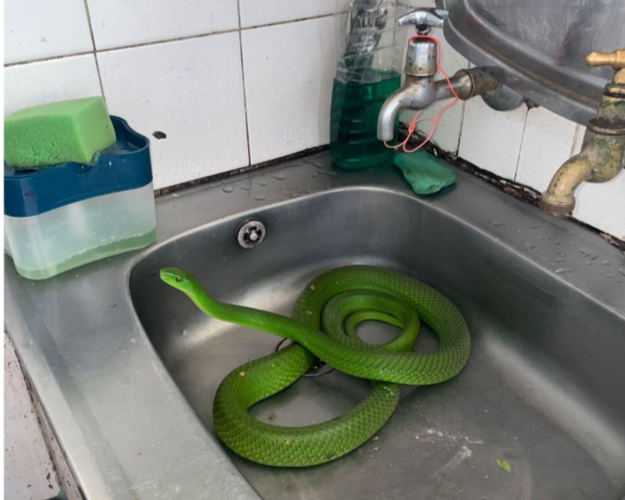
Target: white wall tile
{"type": "Point", "coordinates": [260, 12]}
{"type": "Point", "coordinates": [548, 142]}
{"type": "Point", "coordinates": [191, 90]}
{"type": "Point", "coordinates": [492, 139]}
{"type": "Point", "coordinates": [603, 205]}
{"type": "Point", "coordinates": [288, 94]}
{"type": "Point", "coordinates": [118, 23]}
{"type": "Point", "coordinates": [37, 29]}
{"type": "Point", "coordinates": [47, 81]}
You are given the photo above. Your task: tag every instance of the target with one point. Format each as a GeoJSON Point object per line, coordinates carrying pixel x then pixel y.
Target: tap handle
{"type": "Point", "coordinates": [615, 59]}
{"type": "Point", "coordinates": [424, 19]}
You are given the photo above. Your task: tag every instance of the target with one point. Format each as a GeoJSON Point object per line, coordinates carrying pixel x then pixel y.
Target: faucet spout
{"type": "Point", "coordinates": [419, 89]}
{"type": "Point", "coordinates": [601, 159]}
{"type": "Point", "coordinates": [419, 92]}
{"type": "Point", "coordinates": [416, 93]}
{"type": "Point", "coordinates": [603, 153]}
{"type": "Point", "coordinates": [388, 115]}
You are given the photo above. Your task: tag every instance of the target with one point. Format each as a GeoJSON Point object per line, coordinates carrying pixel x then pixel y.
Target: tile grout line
{"type": "Point", "coordinates": [247, 127]}
{"type": "Point", "coordinates": [157, 42]}
{"type": "Point", "coordinates": [46, 59]}
{"type": "Point", "coordinates": [518, 160]}
{"type": "Point", "coordinates": [279, 23]}
{"type": "Point", "coordinates": [463, 108]}
{"type": "Point", "coordinates": [95, 52]}
{"type": "Point", "coordinates": [462, 111]}
{"type": "Point", "coordinates": [575, 139]}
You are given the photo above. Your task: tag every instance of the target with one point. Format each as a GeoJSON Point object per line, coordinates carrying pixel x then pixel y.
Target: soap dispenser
{"type": "Point", "coordinates": [370, 47]}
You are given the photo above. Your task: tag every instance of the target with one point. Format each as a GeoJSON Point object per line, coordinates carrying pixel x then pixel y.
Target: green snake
{"type": "Point", "coordinates": [323, 325]}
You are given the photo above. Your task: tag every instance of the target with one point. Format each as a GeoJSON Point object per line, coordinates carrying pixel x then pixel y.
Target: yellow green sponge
{"type": "Point", "coordinates": [58, 132]}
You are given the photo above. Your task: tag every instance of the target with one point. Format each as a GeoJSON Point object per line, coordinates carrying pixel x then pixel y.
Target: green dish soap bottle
{"type": "Point", "coordinates": [370, 51]}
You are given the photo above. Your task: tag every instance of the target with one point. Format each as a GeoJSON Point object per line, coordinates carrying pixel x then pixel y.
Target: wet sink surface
{"type": "Point", "coordinates": [543, 388]}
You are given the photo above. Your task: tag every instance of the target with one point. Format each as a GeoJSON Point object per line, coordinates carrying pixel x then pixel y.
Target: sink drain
{"type": "Point", "coordinates": [251, 233]}
{"type": "Point", "coordinates": [318, 368]}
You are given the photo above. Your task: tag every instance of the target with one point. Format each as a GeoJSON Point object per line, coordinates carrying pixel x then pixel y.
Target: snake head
{"type": "Point", "coordinates": [179, 279]}
{"type": "Point", "coordinates": [187, 284]}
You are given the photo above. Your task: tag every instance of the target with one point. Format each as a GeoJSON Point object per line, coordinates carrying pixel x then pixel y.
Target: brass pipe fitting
{"type": "Point", "coordinates": [603, 152]}
{"type": "Point", "coordinates": [601, 159]}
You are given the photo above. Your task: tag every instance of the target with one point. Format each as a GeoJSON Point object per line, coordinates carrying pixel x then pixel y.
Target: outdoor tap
{"type": "Point", "coordinates": [603, 150]}
{"type": "Point", "coordinates": [420, 90]}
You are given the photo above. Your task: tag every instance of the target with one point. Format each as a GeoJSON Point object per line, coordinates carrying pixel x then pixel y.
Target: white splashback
{"type": "Point", "coordinates": [238, 82]}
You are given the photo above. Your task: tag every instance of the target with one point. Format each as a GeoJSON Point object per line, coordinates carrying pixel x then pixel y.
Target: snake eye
{"type": "Point", "coordinates": [178, 279]}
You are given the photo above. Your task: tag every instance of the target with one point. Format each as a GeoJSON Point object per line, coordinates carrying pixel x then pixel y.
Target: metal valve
{"type": "Point", "coordinates": [424, 19]}
{"type": "Point", "coordinates": [614, 59]}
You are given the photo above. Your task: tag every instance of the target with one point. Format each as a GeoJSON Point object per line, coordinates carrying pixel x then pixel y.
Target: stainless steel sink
{"type": "Point", "coordinates": [126, 367]}
{"type": "Point", "coordinates": [543, 389]}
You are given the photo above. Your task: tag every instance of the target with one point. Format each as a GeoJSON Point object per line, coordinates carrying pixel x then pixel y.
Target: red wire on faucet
{"type": "Point", "coordinates": [435, 120]}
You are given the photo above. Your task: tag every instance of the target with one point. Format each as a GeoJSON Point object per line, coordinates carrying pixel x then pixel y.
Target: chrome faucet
{"type": "Point", "coordinates": [603, 151]}
{"type": "Point", "coordinates": [420, 90]}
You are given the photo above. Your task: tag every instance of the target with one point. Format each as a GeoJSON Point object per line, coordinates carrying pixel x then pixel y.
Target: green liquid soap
{"type": "Point", "coordinates": [88, 256]}
{"type": "Point", "coordinates": [354, 123]}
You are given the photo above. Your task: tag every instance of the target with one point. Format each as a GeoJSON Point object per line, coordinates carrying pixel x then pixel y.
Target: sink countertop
{"type": "Point", "coordinates": [124, 426]}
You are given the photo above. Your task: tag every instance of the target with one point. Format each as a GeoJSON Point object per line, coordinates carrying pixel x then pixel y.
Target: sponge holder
{"type": "Point", "coordinates": [64, 216]}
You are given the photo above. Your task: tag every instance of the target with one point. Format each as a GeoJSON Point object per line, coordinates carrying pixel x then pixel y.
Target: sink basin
{"type": "Point", "coordinates": [125, 368]}
{"type": "Point", "coordinates": [544, 300]}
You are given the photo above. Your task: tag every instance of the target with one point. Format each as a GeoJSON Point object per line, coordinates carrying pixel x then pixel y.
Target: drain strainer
{"type": "Point", "coordinates": [251, 233]}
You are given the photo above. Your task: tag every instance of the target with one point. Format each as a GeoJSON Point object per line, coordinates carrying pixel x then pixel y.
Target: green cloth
{"type": "Point", "coordinates": [424, 172]}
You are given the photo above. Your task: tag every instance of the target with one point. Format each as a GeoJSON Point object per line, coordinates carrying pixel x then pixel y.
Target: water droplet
{"type": "Point", "coordinates": [333, 174]}
{"type": "Point", "coordinates": [262, 183]}
{"type": "Point", "coordinates": [622, 271]}
{"type": "Point", "coordinates": [606, 263]}
{"type": "Point", "coordinates": [560, 259]}
{"type": "Point", "coordinates": [279, 177]}
{"type": "Point", "coordinates": [563, 270]}
{"type": "Point", "coordinates": [498, 224]}
{"type": "Point", "coordinates": [259, 197]}
{"type": "Point", "coordinates": [535, 227]}
{"type": "Point", "coordinates": [608, 275]}
{"type": "Point", "coordinates": [244, 188]}
{"type": "Point", "coordinates": [530, 247]}
{"type": "Point", "coordinates": [228, 189]}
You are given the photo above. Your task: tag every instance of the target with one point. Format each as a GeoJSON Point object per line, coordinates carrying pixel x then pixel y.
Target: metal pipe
{"type": "Point", "coordinates": [419, 92]}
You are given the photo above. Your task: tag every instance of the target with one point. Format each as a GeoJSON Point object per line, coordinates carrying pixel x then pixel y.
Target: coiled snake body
{"type": "Point", "coordinates": [323, 325]}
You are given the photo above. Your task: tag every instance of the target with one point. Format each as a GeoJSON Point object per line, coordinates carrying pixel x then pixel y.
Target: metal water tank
{"type": "Point", "coordinates": [538, 47]}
